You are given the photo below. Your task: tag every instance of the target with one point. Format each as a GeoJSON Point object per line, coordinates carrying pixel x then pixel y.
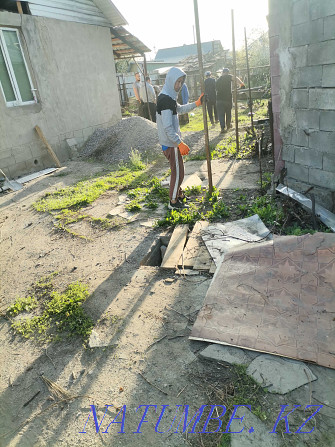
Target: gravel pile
{"type": "Point", "coordinates": [114, 144]}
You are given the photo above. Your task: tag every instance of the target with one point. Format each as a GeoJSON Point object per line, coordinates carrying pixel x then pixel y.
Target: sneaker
{"type": "Point", "coordinates": [177, 206]}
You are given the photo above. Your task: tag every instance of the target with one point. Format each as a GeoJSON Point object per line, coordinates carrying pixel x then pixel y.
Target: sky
{"type": "Point", "coordinates": [170, 23]}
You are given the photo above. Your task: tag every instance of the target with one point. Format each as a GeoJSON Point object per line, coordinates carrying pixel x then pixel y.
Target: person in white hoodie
{"type": "Point", "coordinates": [169, 134]}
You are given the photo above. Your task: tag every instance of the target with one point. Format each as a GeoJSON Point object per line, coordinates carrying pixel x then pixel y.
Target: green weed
{"type": "Point", "coordinates": [59, 313]}
{"type": "Point", "coordinates": [22, 305]}
{"type": "Point", "coordinates": [135, 162]}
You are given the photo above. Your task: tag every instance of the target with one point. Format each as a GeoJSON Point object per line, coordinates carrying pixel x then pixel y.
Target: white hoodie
{"type": "Point", "coordinates": [168, 109]}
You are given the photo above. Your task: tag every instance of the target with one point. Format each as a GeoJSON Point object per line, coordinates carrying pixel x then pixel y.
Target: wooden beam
{"type": "Point", "coordinates": [19, 7]}
{"type": "Point", "coordinates": [175, 247]}
{"type": "Point", "coordinates": [49, 148]}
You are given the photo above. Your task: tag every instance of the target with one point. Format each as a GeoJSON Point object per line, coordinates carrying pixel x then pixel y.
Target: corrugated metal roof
{"type": "Point", "coordinates": [97, 12]}
{"type": "Point", "coordinates": [125, 45]}
{"type": "Point", "coordinates": [179, 53]}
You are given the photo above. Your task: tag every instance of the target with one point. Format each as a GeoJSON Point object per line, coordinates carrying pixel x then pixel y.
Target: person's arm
{"type": "Point", "coordinates": [188, 107]}
{"type": "Point", "coordinates": [137, 96]}
{"type": "Point", "coordinates": [241, 83]}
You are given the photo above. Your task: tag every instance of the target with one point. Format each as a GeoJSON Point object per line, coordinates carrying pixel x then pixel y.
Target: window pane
{"type": "Point", "coordinates": [15, 54]}
{"type": "Point", "coordinates": [5, 80]}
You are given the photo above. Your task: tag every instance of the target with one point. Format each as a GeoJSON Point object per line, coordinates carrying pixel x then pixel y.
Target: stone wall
{"type": "Point", "coordinates": [73, 70]}
{"type": "Point", "coordinates": [302, 46]}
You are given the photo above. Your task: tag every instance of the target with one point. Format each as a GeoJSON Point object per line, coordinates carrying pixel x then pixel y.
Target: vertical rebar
{"type": "Point", "coordinates": [204, 112]}
{"type": "Point", "coordinates": [235, 82]}
{"type": "Point", "coordinates": [249, 86]}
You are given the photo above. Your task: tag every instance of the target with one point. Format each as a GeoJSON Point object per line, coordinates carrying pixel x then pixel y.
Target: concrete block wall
{"type": "Point", "coordinates": [73, 69]}
{"type": "Point", "coordinates": [306, 59]}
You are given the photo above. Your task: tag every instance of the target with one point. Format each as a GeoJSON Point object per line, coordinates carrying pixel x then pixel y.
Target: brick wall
{"type": "Point", "coordinates": [303, 56]}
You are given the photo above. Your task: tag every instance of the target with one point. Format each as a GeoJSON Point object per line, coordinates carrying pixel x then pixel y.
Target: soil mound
{"type": "Point", "coordinates": [115, 143]}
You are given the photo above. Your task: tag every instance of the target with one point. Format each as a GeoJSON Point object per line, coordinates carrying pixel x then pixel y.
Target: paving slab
{"type": "Point", "coordinates": [254, 432]}
{"type": "Point", "coordinates": [279, 375]}
{"type": "Point", "coordinates": [226, 354]}
{"type": "Point", "coordinates": [275, 297]}
{"type": "Point", "coordinates": [220, 239]}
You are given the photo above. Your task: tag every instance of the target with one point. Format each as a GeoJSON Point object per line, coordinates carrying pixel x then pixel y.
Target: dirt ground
{"type": "Point", "coordinates": [144, 314]}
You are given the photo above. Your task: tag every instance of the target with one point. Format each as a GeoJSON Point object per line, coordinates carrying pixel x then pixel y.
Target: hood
{"type": "Point", "coordinates": [173, 74]}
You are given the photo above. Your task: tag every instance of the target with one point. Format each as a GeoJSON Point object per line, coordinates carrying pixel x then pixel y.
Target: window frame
{"type": "Point", "coordinates": [18, 101]}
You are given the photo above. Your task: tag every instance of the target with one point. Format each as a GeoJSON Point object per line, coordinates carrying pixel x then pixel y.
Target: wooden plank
{"type": "Point", "coordinates": [50, 150]}
{"type": "Point", "coordinates": [175, 247]}
{"type": "Point", "coordinates": [204, 259]}
{"type": "Point", "coordinates": [19, 7]}
{"type": "Point", "coordinates": [193, 245]}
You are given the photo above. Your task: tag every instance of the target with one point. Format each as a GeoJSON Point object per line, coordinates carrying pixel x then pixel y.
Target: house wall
{"type": "Point", "coordinates": [302, 47]}
{"type": "Point", "coordinates": [73, 69]}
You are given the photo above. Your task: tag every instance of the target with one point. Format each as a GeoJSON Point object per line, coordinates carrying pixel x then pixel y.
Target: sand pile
{"type": "Point", "coordinates": [114, 144]}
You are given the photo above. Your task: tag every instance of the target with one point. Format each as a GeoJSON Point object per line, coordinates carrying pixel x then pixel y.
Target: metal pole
{"type": "Point", "coordinates": [235, 83]}
{"type": "Point", "coordinates": [249, 86]}
{"type": "Point", "coordinates": [145, 85]}
{"type": "Point", "coordinates": [204, 112]}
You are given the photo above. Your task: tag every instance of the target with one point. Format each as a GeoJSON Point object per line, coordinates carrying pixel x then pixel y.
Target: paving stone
{"type": "Point", "coordinates": [279, 375]}
{"type": "Point", "coordinates": [226, 354]}
{"type": "Point", "coordinates": [255, 433]}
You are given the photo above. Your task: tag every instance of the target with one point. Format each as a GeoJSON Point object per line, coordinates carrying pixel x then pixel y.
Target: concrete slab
{"type": "Point", "coordinates": [226, 354]}
{"type": "Point", "coordinates": [191, 180]}
{"type": "Point", "coordinates": [255, 433]}
{"type": "Point", "coordinates": [220, 239]}
{"type": "Point", "coordinates": [279, 375]}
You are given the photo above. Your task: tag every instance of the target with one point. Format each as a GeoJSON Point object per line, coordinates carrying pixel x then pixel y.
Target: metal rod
{"type": "Point", "coordinates": [145, 85]}
{"type": "Point", "coordinates": [235, 81]}
{"type": "Point", "coordinates": [204, 112]}
{"type": "Point", "coordinates": [249, 86]}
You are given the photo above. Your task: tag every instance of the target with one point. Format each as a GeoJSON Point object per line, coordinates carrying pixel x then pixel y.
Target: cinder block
{"type": "Point", "coordinates": [323, 99]}
{"type": "Point", "coordinates": [321, 53]}
{"type": "Point", "coordinates": [296, 171]}
{"type": "Point", "coordinates": [307, 77]}
{"type": "Point", "coordinates": [276, 103]}
{"type": "Point", "coordinates": [300, 12]}
{"type": "Point", "coordinates": [300, 98]}
{"type": "Point", "coordinates": [288, 153]}
{"type": "Point", "coordinates": [327, 120]}
{"type": "Point", "coordinates": [299, 55]}
{"type": "Point", "coordinates": [328, 76]}
{"type": "Point", "coordinates": [299, 137]}
{"type": "Point", "coordinates": [308, 119]}
{"type": "Point", "coordinates": [322, 178]}
{"type": "Point", "coordinates": [329, 28]}
{"type": "Point", "coordinates": [301, 35]}
{"type": "Point", "coordinates": [329, 162]}
{"type": "Point", "coordinates": [275, 85]}
{"type": "Point", "coordinates": [323, 141]}
{"type": "Point", "coordinates": [316, 31]}
{"type": "Point", "coordinates": [327, 8]}
{"type": "Point", "coordinates": [314, 9]}
{"type": "Point", "coordinates": [308, 157]}
{"type": "Point", "coordinates": [274, 66]}
{"type": "Point", "coordinates": [274, 45]}
{"type": "Point", "coordinates": [274, 25]}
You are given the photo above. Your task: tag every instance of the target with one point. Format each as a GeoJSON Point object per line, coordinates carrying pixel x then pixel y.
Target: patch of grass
{"type": "Point", "coordinates": [207, 207]}
{"type": "Point", "coordinates": [135, 162]}
{"type": "Point", "coordinates": [269, 211]}
{"type": "Point", "coordinates": [85, 192]}
{"type": "Point", "coordinates": [59, 314]}
{"type": "Point", "coordinates": [22, 305]}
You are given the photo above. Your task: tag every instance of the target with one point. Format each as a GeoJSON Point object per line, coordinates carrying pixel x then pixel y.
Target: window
{"type": "Point", "coordinates": [15, 81]}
